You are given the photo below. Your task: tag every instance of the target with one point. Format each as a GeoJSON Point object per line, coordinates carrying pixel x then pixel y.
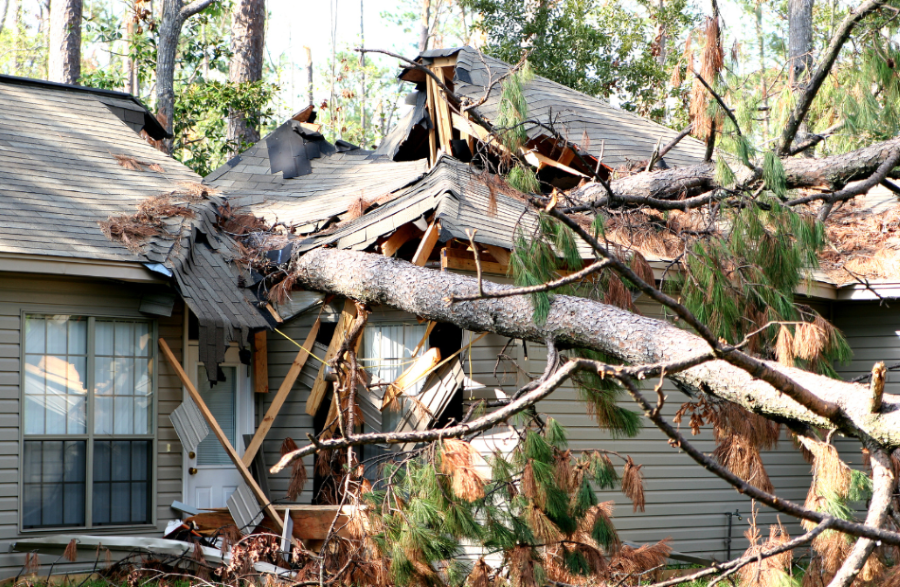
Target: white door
{"type": "Point", "coordinates": [211, 477]}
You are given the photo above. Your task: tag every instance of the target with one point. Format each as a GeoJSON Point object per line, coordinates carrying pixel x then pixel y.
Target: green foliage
{"type": "Point", "coordinates": [603, 396]}
{"type": "Point", "coordinates": [773, 175]}
{"type": "Point", "coordinates": [860, 486]}
{"type": "Point", "coordinates": [201, 113]}
{"type": "Point", "coordinates": [599, 48]}
{"type": "Point", "coordinates": [523, 179]}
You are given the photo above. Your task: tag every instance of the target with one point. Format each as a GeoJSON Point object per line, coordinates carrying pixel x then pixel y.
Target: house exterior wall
{"type": "Point", "coordinates": [21, 293]}
{"type": "Point", "coordinates": [683, 501]}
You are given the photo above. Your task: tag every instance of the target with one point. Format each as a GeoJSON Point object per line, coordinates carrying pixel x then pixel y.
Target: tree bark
{"type": "Point", "coordinates": [174, 13]}
{"type": "Point", "coordinates": [424, 32]}
{"type": "Point", "coordinates": [800, 47]}
{"type": "Point", "coordinates": [579, 322]}
{"type": "Point", "coordinates": [309, 73]}
{"type": "Point", "coordinates": [247, 41]}
{"type": "Point", "coordinates": [4, 8]}
{"type": "Point", "coordinates": [65, 41]}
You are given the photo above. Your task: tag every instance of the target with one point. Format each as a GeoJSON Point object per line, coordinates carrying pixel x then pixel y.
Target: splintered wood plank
{"type": "Point", "coordinates": [443, 112]}
{"type": "Point", "coordinates": [320, 386]}
{"type": "Point", "coordinates": [260, 363]}
{"type": "Point", "coordinates": [567, 155]}
{"type": "Point", "coordinates": [540, 161]}
{"type": "Point", "coordinates": [220, 434]}
{"type": "Point", "coordinates": [280, 397]}
{"type": "Point", "coordinates": [432, 132]}
{"type": "Point", "coordinates": [427, 245]}
{"type": "Point", "coordinates": [408, 378]}
{"type": "Point", "coordinates": [400, 237]}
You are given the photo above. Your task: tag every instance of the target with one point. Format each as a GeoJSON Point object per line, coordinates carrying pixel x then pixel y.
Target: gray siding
{"type": "Point", "coordinates": [683, 502]}
{"type": "Point", "coordinates": [88, 297]}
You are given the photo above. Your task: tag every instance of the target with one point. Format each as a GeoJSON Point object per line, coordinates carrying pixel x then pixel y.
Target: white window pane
{"type": "Point", "coordinates": [57, 408]}
{"type": "Point", "coordinates": [103, 376]}
{"type": "Point", "coordinates": [142, 377]}
{"type": "Point", "coordinates": [34, 414]}
{"type": "Point", "coordinates": [124, 339]}
{"type": "Point", "coordinates": [34, 375]}
{"type": "Point", "coordinates": [77, 336]}
{"type": "Point", "coordinates": [76, 412]}
{"type": "Point", "coordinates": [56, 373]}
{"type": "Point", "coordinates": [123, 421]}
{"type": "Point", "coordinates": [57, 335]}
{"type": "Point", "coordinates": [103, 335]}
{"type": "Point", "coordinates": [142, 331]}
{"type": "Point", "coordinates": [124, 376]}
{"type": "Point", "coordinates": [103, 415]}
{"type": "Point", "coordinates": [141, 415]}
{"type": "Point", "coordinates": [77, 375]}
{"type": "Point", "coordinates": [35, 336]}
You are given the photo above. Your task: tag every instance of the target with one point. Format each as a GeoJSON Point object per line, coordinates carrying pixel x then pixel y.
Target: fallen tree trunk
{"type": "Point", "coordinates": [579, 322]}
{"type": "Point", "coordinates": [828, 173]}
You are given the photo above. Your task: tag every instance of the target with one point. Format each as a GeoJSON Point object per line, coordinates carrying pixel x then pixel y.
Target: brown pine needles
{"type": "Point", "coordinates": [633, 484]}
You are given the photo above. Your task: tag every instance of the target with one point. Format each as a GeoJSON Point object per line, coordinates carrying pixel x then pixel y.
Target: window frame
{"type": "Point", "coordinates": [89, 436]}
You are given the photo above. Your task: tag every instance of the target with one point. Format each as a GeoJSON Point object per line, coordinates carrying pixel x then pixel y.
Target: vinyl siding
{"type": "Point", "coordinates": [683, 502]}
{"type": "Point", "coordinates": [20, 293]}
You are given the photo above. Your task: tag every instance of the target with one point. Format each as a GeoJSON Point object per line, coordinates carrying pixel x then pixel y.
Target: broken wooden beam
{"type": "Point", "coordinates": [426, 246]}
{"type": "Point", "coordinates": [220, 434]}
{"type": "Point", "coordinates": [260, 363]}
{"type": "Point", "coordinates": [320, 386]}
{"type": "Point", "coordinates": [280, 397]}
{"type": "Point", "coordinates": [413, 374]}
{"type": "Point", "coordinates": [463, 260]}
{"type": "Point", "coordinates": [401, 236]}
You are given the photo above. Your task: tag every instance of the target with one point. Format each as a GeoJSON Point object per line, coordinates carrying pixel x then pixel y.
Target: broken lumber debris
{"type": "Point", "coordinates": [220, 434]}
{"type": "Point", "coordinates": [317, 393]}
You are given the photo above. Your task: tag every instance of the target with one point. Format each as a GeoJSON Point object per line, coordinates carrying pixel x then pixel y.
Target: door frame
{"type": "Point", "coordinates": [245, 423]}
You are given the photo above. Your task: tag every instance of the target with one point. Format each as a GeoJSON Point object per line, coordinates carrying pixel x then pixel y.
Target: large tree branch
{"type": "Point", "coordinates": [580, 322]}
{"type": "Point", "coordinates": [744, 487]}
{"type": "Point", "coordinates": [883, 483]}
{"type": "Point", "coordinates": [828, 173]}
{"type": "Point", "coordinates": [805, 100]}
{"type": "Point", "coordinates": [194, 7]}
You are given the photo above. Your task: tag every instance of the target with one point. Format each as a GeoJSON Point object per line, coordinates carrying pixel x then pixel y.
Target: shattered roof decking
{"type": "Point", "coordinates": [308, 201]}
{"type": "Point", "coordinates": [623, 136]}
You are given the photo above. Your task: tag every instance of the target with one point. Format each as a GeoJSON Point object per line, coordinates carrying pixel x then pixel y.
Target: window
{"type": "Point", "coordinates": [387, 350]}
{"type": "Point", "coordinates": [88, 429]}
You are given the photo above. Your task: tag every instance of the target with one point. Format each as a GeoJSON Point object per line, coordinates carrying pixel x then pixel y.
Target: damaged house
{"type": "Point", "coordinates": [107, 246]}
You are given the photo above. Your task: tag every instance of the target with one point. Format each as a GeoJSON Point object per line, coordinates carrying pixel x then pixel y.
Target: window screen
{"type": "Point", "coordinates": [121, 475]}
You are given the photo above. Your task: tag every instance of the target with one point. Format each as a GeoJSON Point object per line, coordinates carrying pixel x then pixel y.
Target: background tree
{"type": "Point", "coordinates": [65, 41]}
{"type": "Point", "coordinates": [174, 15]}
{"type": "Point", "coordinates": [247, 43]}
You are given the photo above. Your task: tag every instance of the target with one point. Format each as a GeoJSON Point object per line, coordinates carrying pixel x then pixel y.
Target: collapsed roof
{"type": "Point", "coordinates": [72, 160]}
{"type": "Point", "coordinates": [591, 125]}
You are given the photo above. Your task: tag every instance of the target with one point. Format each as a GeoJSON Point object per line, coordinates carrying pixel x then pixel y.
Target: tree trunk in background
{"type": "Point", "coordinates": [661, 39]}
{"type": "Point", "coordinates": [65, 41]}
{"type": "Point", "coordinates": [800, 46]}
{"type": "Point", "coordinates": [362, 63]}
{"type": "Point", "coordinates": [16, 17]}
{"type": "Point", "coordinates": [248, 24]}
{"type": "Point", "coordinates": [129, 61]}
{"type": "Point", "coordinates": [174, 13]}
{"type": "Point", "coordinates": [309, 73]}
{"type": "Point", "coordinates": [4, 8]}
{"type": "Point", "coordinates": [423, 32]}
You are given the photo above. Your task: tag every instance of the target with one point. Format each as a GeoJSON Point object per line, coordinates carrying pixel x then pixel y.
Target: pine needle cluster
{"type": "Point", "coordinates": [537, 506]}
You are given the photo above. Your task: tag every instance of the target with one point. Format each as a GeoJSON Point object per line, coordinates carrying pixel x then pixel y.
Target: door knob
{"type": "Point", "coordinates": [192, 470]}
{"type": "Point", "coordinates": [192, 455]}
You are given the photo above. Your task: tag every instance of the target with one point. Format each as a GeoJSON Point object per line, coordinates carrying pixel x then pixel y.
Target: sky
{"type": "Point", "coordinates": [294, 24]}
